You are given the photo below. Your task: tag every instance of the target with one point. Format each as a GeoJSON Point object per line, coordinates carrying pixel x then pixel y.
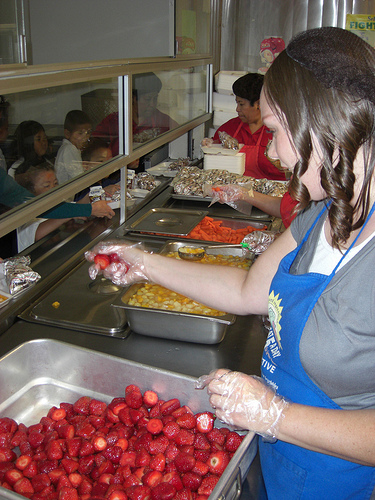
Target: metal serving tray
{"type": "Point", "coordinates": [42, 373]}
{"type": "Point", "coordinates": [78, 303]}
{"type": "Point", "coordinates": [168, 221]}
{"type": "Point", "coordinates": [173, 325]}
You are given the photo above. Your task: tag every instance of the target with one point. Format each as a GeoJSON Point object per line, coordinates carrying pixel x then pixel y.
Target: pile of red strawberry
{"type": "Point", "coordinates": [137, 447]}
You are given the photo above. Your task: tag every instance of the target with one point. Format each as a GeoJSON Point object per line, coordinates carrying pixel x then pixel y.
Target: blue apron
{"type": "Point", "coordinates": [292, 472]}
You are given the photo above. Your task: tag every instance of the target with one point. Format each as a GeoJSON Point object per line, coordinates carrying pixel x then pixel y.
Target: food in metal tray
{"type": "Point", "coordinates": [192, 181]}
{"type": "Point", "coordinates": [157, 297]}
{"type": "Point", "coordinates": [137, 446]}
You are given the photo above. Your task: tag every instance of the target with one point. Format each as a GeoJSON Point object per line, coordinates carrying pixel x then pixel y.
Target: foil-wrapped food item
{"type": "Point", "coordinates": [177, 165]}
{"type": "Point", "coordinates": [18, 274]}
{"type": "Point", "coordinates": [144, 180]}
{"type": "Point", "coordinates": [228, 142]}
{"type": "Point", "coordinates": [146, 135]}
{"type": "Point", "coordinates": [194, 181]}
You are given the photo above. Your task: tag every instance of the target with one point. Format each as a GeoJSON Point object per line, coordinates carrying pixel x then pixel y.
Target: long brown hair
{"type": "Point", "coordinates": [340, 123]}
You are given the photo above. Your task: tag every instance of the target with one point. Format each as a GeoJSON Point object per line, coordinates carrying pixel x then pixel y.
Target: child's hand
{"type": "Point", "coordinates": [102, 209]}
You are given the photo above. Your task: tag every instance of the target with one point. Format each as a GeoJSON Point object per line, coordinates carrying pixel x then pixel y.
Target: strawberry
{"type": "Point", "coordinates": [102, 260]}
{"type": "Point", "coordinates": [99, 443]}
{"type": "Point", "coordinates": [201, 442]}
{"type": "Point", "coordinates": [124, 416]}
{"type": "Point", "coordinates": [171, 429]}
{"type": "Point", "coordinates": [8, 425]}
{"type": "Point", "coordinates": [85, 487]}
{"type": "Point", "coordinates": [142, 458]}
{"type": "Point", "coordinates": [202, 455]}
{"type": "Point", "coordinates": [200, 468]}
{"type": "Point", "coordinates": [134, 399]}
{"type": "Point", "coordinates": [232, 441]}
{"type": "Point", "coordinates": [86, 464]}
{"type": "Point", "coordinates": [40, 481]}
{"type": "Point", "coordinates": [35, 439]}
{"type": "Point", "coordinates": [216, 436]}
{"type": "Point", "coordinates": [8, 455]}
{"type": "Point", "coordinates": [157, 462]}
{"type": "Point", "coordinates": [54, 450]}
{"type": "Point", "coordinates": [131, 388]}
{"type": "Point", "coordinates": [186, 421]}
{"type": "Point", "coordinates": [184, 462]}
{"type": "Point", "coordinates": [68, 493]}
{"type": "Point", "coordinates": [191, 480]}
{"type": "Point", "coordinates": [75, 479]}
{"type": "Point", "coordinates": [174, 479]}
{"type": "Point", "coordinates": [155, 410]}
{"type": "Point", "coordinates": [128, 458]}
{"type": "Point", "coordinates": [31, 470]}
{"type": "Point", "coordinates": [158, 444]}
{"type": "Point", "coordinates": [97, 407]}
{"type": "Point", "coordinates": [114, 258]}
{"type": "Point", "coordinates": [171, 452]}
{"type": "Point", "coordinates": [207, 485]}
{"type": "Point", "coordinates": [117, 494]}
{"type": "Point", "coordinates": [163, 491]}
{"type": "Point", "coordinates": [170, 406]}
{"type": "Point", "coordinates": [150, 398]}
{"type": "Point", "coordinates": [24, 487]}
{"type": "Point", "coordinates": [69, 465]}
{"type": "Point", "coordinates": [152, 478]}
{"type": "Point", "coordinates": [184, 437]}
{"type": "Point", "coordinates": [11, 476]}
{"type": "Point", "coordinates": [5, 439]}
{"type": "Point", "coordinates": [57, 413]}
{"type": "Point", "coordinates": [132, 480]}
{"type": "Point", "coordinates": [73, 446]}
{"type": "Point", "coordinates": [23, 461]}
{"type": "Point", "coordinates": [184, 494]}
{"type": "Point", "coordinates": [205, 421]}
{"type": "Point", "coordinates": [113, 453]}
{"type": "Point", "coordinates": [138, 492]}
{"type": "Point", "coordinates": [155, 426]}
{"type": "Point", "coordinates": [217, 462]}
{"type": "Point", "coordinates": [82, 405]}
{"type": "Point", "coordinates": [47, 465]}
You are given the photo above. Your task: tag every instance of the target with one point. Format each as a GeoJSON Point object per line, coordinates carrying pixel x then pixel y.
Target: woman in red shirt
{"type": "Point", "coordinates": [249, 130]}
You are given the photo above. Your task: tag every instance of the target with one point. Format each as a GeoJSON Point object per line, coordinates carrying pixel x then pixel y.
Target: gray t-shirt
{"type": "Point", "coordinates": [337, 347]}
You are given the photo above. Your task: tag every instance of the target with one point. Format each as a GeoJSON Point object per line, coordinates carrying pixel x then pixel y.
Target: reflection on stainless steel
{"type": "Point", "coordinates": [79, 303]}
{"type": "Point", "coordinates": [174, 221]}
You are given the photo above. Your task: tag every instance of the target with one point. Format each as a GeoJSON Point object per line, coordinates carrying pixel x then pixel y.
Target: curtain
{"type": "Point", "coordinates": [245, 23]}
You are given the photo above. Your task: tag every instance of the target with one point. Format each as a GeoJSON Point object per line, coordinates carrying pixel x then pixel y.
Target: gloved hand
{"type": "Point", "coordinates": [207, 141]}
{"type": "Point", "coordinates": [227, 193]}
{"type": "Point", "coordinates": [127, 269]}
{"type": "Point", "coordinates": [258, 241]}
{"type": "Point", "coordinates": [244, 401]}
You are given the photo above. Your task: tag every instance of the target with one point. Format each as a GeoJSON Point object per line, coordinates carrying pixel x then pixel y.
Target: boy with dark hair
{"type": "Point", "coordinates": [77, 131]}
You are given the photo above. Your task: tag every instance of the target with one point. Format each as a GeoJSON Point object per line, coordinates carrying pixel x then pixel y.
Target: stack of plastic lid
{"type": "Point", "coordinates": [217, 157]}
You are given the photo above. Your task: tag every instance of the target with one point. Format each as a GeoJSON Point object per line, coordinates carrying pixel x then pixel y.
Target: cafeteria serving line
{"type": "Point", "coordinates": [173, 349]}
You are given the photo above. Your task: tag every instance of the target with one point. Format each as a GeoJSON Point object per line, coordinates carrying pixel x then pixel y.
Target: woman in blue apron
{"type": "Point", "coordinates": [315, 403]}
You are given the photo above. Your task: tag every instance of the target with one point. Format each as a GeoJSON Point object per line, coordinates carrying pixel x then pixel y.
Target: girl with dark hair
{"type": "Point", "coordinates": [31, 143]}
{"type": "Point", "coordinates": [314, 406]}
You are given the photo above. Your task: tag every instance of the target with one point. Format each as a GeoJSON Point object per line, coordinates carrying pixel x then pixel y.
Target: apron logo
{"type": "Point", "coordinates": [274, 314]}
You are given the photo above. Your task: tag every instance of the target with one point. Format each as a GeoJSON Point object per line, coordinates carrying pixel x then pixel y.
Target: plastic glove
{"type": "Point", "coordinates": [227, 193]}
{"type": "Point", "coordinates": [228, 142]}
{"type": "Point", "coordinates": [258, 241]}
{"type": "Point", "coordinates": [207, 141]}
{"type": "Point", "coordinates": [245, 401]}
{"type": "Point", "coordinates": [129, 267]}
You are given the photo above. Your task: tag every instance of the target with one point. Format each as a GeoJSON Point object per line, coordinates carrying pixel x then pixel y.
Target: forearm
{"type": "Point", "coordinates": [47, 227]}
{"type": "Point", "coordinates": [219, 287]}
{"type": "Point", "coordinates": [342, 433]}
{"type": "Point", "coordinates": [266, 203]}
